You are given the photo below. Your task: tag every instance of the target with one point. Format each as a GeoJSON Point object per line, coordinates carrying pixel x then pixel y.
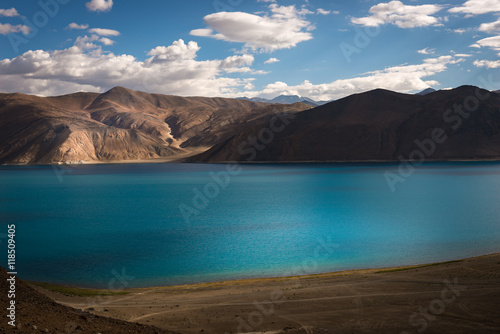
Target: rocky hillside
{"type": "Point", "coordinates": [120, 124]}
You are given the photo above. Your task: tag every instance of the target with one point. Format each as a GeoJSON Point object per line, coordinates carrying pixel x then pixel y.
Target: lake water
{"type": "Point", "coordinates": [163, 224]}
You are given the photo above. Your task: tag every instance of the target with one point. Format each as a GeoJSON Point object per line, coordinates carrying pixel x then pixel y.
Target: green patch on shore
{"type": "Point", "coordinates": [415, 267]}
{"type": "Point", "coordinates": [79, 292]}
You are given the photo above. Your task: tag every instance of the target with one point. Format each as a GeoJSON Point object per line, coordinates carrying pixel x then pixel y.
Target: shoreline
{"type": "Point", "coordinates": [461, 296]}
{"type": "Point", "coordinates": [178, 160]}
{"type": "Point", "coordinates": [244, 281]}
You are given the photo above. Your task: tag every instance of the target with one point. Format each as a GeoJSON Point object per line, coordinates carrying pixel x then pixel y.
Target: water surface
{"type": "Point", "coordinates": [88, 225]}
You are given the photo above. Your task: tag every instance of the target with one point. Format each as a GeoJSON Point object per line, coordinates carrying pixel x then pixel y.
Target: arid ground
{"type": "Point", "coordinates": [452, 297]}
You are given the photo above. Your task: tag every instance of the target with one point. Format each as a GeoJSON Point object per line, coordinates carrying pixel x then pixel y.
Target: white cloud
{"type": "Point", "coordinates": [463, 55]}
{"type": "Point", "coordinates": [427, 51]}
{"type": "Point", "coordinates": [74, 25]}
{"type": "Point", "coordinates": [326, 12]}
{"type": "Point", "coordinates": [283, 29]}
{"type": "Point", "coordinates": [104, 32]}
{"type": "Point", "coordinates": [271, 61]}
{"type": "Point", "coordinates": [491, 28]}
{"type": "Point", "coordinates": [83, 67]}
{"type": "Point", "coordinates": [238, 70]}
{"type": "Point", "coordinates": [8, 28]}
{"type": "Point", "coordinates": [177, 51]}
{"type": "Point", "coordinates": [174, 70]}
{"type": "Point", "coordinates": [202, 32]}
{"type": "Point", "coordinates": [490, 42]}
{"type": "Point", "coordinates": [87, 42]}
{"type": "Point", "coordinates": [403, 16]}
{"type": "Point", "coordinates": [106, 41]}
{"type": "Point", "coordinates": [487, 63]}
{"type": "Point", "coordinates": [9, 12]}
{"type": "Point", "coordinates": [237, 61]}
{"type": "Point", "coordinates": [99, 5]}
{"type": "Point", "coordinates": [404, 78]}
{"type": "Point", "coordinates": [476, 7]}
{"type": "Point", "coordinates": [249, 86]}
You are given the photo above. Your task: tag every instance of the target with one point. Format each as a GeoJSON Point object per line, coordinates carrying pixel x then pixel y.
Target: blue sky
{"type": "Point", "coordinates": [319, 49]}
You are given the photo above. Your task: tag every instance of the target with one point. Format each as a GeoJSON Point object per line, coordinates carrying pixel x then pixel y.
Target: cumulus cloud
{"type": "Point", "coordinates": [404, 78]}
{"type": "Point", "coordinates": [237, 61]}
{"type": "Point", "coordinates": [99, 5]}
{"type": "Point", "coordinates": [284, 28]}
{"type": "Point", "coordinates": [271, 61]}
{"type": "Point", "coordinates": [177, 51]}
{"type": "Point", "coordinates": [487, 63]}
{"type": "Point", "coordinates": [491, 28]}
{"type": "Point", "coordinates": [7, 28]}
{"type": "Point", "coordinates": [9, 12]}
{"type": "Point", "coordinates": [174, 70]}
{"type": "Point", "coordinates": [77, 26]}
{"type": "Point", "coordinates": [104, 32]}
{"type": "Point", "coordinates": [476, 7]}
{"type": "Point", "coordinates": [401, 15]}
{"type": "Point", "coordinates": [83, 67]}
{"type": "Point", "coordinates": [427, 51]}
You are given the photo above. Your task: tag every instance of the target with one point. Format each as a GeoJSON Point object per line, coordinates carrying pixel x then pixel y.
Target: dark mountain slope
{"type": "Point", "coordinates": [426, 91]}
{"type": "Point", "coordinates": [378, 125]}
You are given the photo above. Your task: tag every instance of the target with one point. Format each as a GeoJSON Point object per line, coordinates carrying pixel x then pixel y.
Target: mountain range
{"type": "Point", "coordinates": [286, 99]}
{"type": "Point", "coordinates": [127, 125]}
{"type": "Point", "coordinates": [290, 99]}
{"type": "Point", "coordinates": [120, 124]}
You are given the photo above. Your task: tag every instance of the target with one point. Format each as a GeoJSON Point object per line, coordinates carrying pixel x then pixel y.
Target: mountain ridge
{"type": "Point", "coordinates": [378, 125]}
{"type": "Point", "coordinates": [126, 125]}
{"type": "Point", "coordinates": [120, 124]}
{"type": "Point", "coordinates": [427, 91]}
{"type": "Point", "coordinates": [286, 99]}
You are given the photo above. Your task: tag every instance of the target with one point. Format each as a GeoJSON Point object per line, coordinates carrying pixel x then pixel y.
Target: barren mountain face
{"type": "Point", "coordinates": [118, 125]}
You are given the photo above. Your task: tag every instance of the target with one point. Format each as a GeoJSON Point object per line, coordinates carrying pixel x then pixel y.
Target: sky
{"type": "Point", "coordinates": [319, 49]}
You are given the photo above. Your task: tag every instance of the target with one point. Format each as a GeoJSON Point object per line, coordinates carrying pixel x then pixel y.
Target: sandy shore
{"type": "Point", "coordinates": [455, 297]}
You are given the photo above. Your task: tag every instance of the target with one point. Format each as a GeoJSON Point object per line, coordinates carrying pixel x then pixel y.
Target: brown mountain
{"type": "Point", "coordinates": [463, 123]}
{"type": "Point", "coordinates": [120, 124]}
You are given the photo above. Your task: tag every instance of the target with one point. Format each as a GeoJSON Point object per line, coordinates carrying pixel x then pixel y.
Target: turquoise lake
{"type": "Point", "coordinates": [164, 224]}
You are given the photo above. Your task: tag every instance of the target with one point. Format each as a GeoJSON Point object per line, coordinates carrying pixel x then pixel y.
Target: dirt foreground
{"type": "Point", "coordinates": [454, 297]}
